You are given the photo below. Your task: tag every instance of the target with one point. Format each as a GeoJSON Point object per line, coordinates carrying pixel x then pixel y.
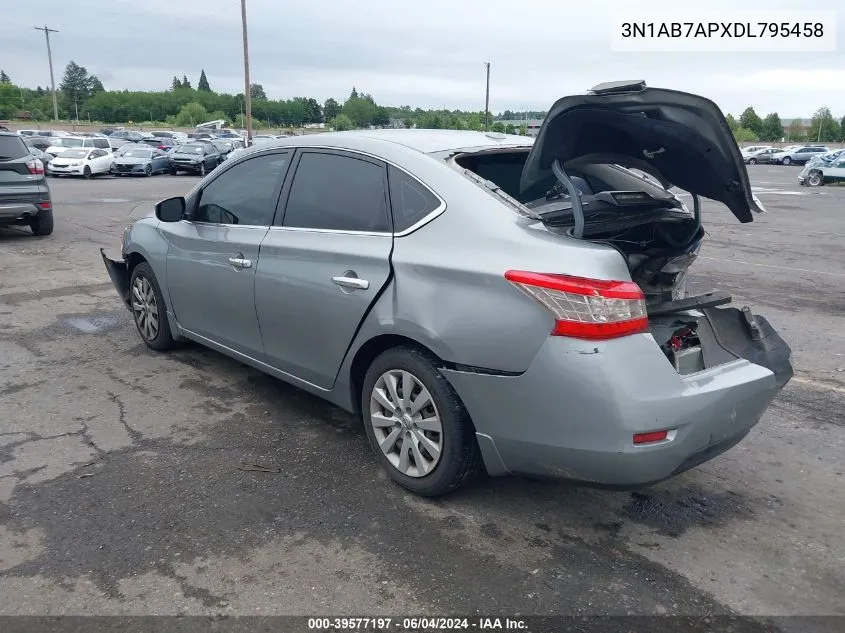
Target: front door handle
{"type": "Point", "coordinates": [351, 282]}
{"type": "Point", "coordinates": [240, 262]}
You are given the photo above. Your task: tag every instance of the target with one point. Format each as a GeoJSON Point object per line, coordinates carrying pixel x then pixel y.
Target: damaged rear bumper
{"type": "Point", "coordinates": [574, 412]}
{"type": "Point", "coordinates": [119, 274]}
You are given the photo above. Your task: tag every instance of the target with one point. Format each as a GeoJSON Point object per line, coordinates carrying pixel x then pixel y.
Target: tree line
{"type": "Point", "coordinates": [823, 127]}
{"type": "Point", "coordinates": [82, 96]}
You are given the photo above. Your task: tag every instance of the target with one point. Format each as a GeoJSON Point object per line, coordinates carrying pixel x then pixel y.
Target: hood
{"type": "Point", "coordinates": [681, 138]}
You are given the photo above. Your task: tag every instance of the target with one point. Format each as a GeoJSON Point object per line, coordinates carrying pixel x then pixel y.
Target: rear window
{"type": "Point", "coordinates": [12, 147]}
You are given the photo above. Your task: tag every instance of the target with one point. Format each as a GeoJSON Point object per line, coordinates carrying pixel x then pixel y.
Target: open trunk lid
{"type": "Point", "coordinates": [681, 138]}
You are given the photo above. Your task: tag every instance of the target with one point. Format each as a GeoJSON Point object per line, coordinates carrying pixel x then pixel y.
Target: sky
{"type": "Point", "coordinates": [424, 54]}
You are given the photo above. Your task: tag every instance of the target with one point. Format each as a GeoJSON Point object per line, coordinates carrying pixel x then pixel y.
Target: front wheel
{"type": "Point", "coordinates": [148, 171]}
{"type": "Point", "coordinates": [173, 171]}
{"type": "Point", "coordinates": [202, 169]}
{"type": "Point", "coordinates": [148, 308]}
{"type": "Point", "coordinates": [815, 179]}
{"type": "Point", "coordinates": [86, 173]}
{"type": "Point", "coordinates": [752, 161]}
{"type": "Point", "coordinates": [787, 160]}
{"type": "Point", "coordinates": [417, 424]}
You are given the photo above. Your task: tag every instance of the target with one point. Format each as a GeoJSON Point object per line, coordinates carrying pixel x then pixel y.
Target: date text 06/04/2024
{"type": "Point", "coordinates": [414, 624]}
{"type": "Point", "coordinates": [773, 30]}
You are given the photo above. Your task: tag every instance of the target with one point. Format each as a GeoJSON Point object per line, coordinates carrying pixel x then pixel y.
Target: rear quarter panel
{"type": "Point", "coordinates": [449, 292]}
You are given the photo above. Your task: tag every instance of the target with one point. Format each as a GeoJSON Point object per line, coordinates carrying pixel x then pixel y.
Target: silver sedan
{"type": "Point", "coordinates": [480, 300]}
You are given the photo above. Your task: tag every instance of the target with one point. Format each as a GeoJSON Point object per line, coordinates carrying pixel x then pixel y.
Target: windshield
{"type": "Point", "coordinates": [74, 153]}
{"type": "Point", "coordinates": [138, 153]}
{"type": "Point", "coordinates": [68, 142]}
{"type": "Point", "coordinates": [190, 149]}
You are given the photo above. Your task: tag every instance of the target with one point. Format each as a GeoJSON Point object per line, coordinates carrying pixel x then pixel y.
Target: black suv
{"type": "Point", "coordinates": [24, 194]}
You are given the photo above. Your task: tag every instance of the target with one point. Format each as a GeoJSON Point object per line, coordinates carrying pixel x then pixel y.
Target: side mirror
{"type": "Point", "coordinates": [171, 210]}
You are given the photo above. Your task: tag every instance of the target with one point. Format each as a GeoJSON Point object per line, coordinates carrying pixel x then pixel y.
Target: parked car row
{"type": "Point", "coordinates": [824, 169]}
{"type": "Point", "coordinates": [792, 155]}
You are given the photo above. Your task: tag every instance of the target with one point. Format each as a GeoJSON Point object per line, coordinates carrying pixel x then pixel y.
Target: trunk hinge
{"type": "Point", "coordinates": [574, 196]}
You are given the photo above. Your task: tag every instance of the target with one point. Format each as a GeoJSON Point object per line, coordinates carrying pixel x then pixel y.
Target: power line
{"type": "Point", "coordinates": [47, 32]}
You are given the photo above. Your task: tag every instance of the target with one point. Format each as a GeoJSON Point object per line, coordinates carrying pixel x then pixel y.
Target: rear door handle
{"type": "Point", "coordinates": [351, 282]}
{"type": "Point", "coordinates": [240, 262]}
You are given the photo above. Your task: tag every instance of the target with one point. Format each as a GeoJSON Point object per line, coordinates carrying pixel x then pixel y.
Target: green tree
{"type": "Point", "coordinates": [256, 92]}
{"type": "Point", "coordinates": [185, 82]}
{"type": "Point", "coordinates": [842, 128]}
{"type": "Point", "coordinates": [498, 126]}
{"type": "Point", "coordinates": [75, 86]}
{"type": "Point", "coordinates": [732, 122]}
{"type": "Point", "coordinates": [95, 85]}
{"type": "Point", "coordinates": [744, 135]}
{"type": "Point", "coordinates": [341, 123]}
{"type": "Point", "coordinates": [353, 94]}
{"type": "Point", "coordinates": [772, 128]}
{"type": "Point", "coordinates": [523, 130]}
{"type": "Point", "coordinates": [795, 131]}
{"type": "Point", "coordinates": [408, 124]}
{"type": "Point", "coordinates": [823, 127]}
{"type": "Point", "coordinates": [510, 129]}
{"type": "Point", "coordinates": [360, 110]}
{"type": "Point", "coordinates": [191, 114]}
{"type": "Point", "coordinates": [331, 109]}
{"type": "Point", "coordinates": [751, 121]}
{"type": "Point", "coordinates": [4, 78]}
{"type": "Point", "coordinates": [202, 85]}
{"type": "Point", "coordinates": [176, 84]}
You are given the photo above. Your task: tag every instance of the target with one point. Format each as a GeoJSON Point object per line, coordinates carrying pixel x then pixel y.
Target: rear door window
{"type": "Point", "coordinates": [338, 192]}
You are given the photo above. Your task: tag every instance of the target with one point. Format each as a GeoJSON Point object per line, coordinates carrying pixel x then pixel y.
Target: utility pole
{"type": "Point", "coordinates": [487, 100]}
{"type": "Point", "coordinates": [247, 96]}
{"type": "Point", "coordinates": [47, 32]}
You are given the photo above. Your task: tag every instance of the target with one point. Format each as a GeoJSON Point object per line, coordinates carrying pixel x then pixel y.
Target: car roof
{"type": "Point", "coordinates": [424, 141]}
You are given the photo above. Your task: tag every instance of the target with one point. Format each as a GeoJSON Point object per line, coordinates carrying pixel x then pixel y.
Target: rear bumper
{"type": "Point", "coordinates": [21, 211]}
{"type": "Point", "coordinates": [573, 413]}
{"type": "Point", "coordinates": [119, 275]}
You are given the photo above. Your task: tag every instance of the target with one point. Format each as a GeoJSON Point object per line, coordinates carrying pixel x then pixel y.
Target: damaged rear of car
{"type": "Point", "coordinates": [683, 377]}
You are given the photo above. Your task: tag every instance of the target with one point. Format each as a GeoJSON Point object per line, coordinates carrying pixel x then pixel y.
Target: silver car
{"type": "Point", "coordinates": [479, 299]}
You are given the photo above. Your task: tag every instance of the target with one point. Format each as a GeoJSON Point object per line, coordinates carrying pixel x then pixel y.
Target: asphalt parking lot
{"type": "Point", "coordinates": [125, 481]}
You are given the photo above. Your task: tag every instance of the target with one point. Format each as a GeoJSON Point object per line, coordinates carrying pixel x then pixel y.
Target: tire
{"type": "Point", "coordinates": [815, 179]}
{"type": "Point", "coordinates": [148, 171]}
{"type": "Point", "coordinates": [752, 161]}
{"type": "Point", "coordinates": [86, 173]}
{"type": "Point", "coordinates": [459, 458]}
{"type": "Point", "coordinates": [42, 224]}
{"type": "Point", "coordinates": [148, 308]}
{"type": "Point", "coordinates": [173, 172]}
{"type": "Point", "coordinates": [786, 160]}
{"type": "Point", "coordinates": [202, 170]}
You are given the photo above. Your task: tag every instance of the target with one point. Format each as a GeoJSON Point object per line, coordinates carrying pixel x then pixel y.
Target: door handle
{"type": "Point", "coordinates": [240, 262]}
{"type": "Point", "coordinates": [351, 282]}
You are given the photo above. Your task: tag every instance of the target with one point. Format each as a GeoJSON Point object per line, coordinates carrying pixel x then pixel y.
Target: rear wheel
{"type": "Point", "coordinates": [752, 161]}
{"type": "Point", "coordinates": [417, 424]}
{"type": "Point", "coordinates": [787, 160]}
{"type": "Point", "coordinates": [815, 179]}
{"type": "Point", "coordinates": [148, 308]}
{"type": "Point", "coordinates": [42, 224]}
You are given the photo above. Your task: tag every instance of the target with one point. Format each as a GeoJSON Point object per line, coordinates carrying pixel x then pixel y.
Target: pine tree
{"type": "Point", "coordinates": [176, 83]}
{"type": "Point", "coordinates": [4, 78]}
{"type": "Point", "coordinates": [185, 82]}
{"type": "Point", "coordinates": [203, 82]}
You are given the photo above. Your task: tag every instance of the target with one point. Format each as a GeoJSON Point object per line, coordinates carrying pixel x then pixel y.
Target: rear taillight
{"type": "Point", "coordinates": [592, 309]}
{"type": "Point", "coordinates": [45, 204]}
{"type": "Point", "coordinates": [35, 166]}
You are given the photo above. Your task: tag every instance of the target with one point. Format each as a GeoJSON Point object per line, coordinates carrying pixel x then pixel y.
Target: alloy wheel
{"type": "Point", "coordinates": [145, 308]}
{"type": "Point", "coordinates": [814, 179]}
{"type": "Point", "coordinates": [406, 423]}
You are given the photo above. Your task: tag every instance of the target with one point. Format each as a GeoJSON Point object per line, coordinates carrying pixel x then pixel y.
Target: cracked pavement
{"type": "Point", "coordinates": [121, 489]}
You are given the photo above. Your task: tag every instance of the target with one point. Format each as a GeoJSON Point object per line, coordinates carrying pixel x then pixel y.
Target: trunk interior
{"type": "Point", "coordinates": [660, 238]}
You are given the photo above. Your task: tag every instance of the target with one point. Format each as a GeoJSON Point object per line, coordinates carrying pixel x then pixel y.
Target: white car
{"type": "Point", "coordinates": [59, 145]}
{"type": "Point", "coordinates": [81, 161]}
{"type": "Point", "coordinates": [747, 151]}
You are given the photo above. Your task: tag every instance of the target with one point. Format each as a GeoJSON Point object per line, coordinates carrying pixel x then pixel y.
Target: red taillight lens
{"type": "Point", "coordinates": [46, 205]}
{"type": "Point", "coordinates": [648, 438]}
{"type": "Point", "coordinates": [584, 308]}
{"type": "Point", "coordinates": [35, 166]}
